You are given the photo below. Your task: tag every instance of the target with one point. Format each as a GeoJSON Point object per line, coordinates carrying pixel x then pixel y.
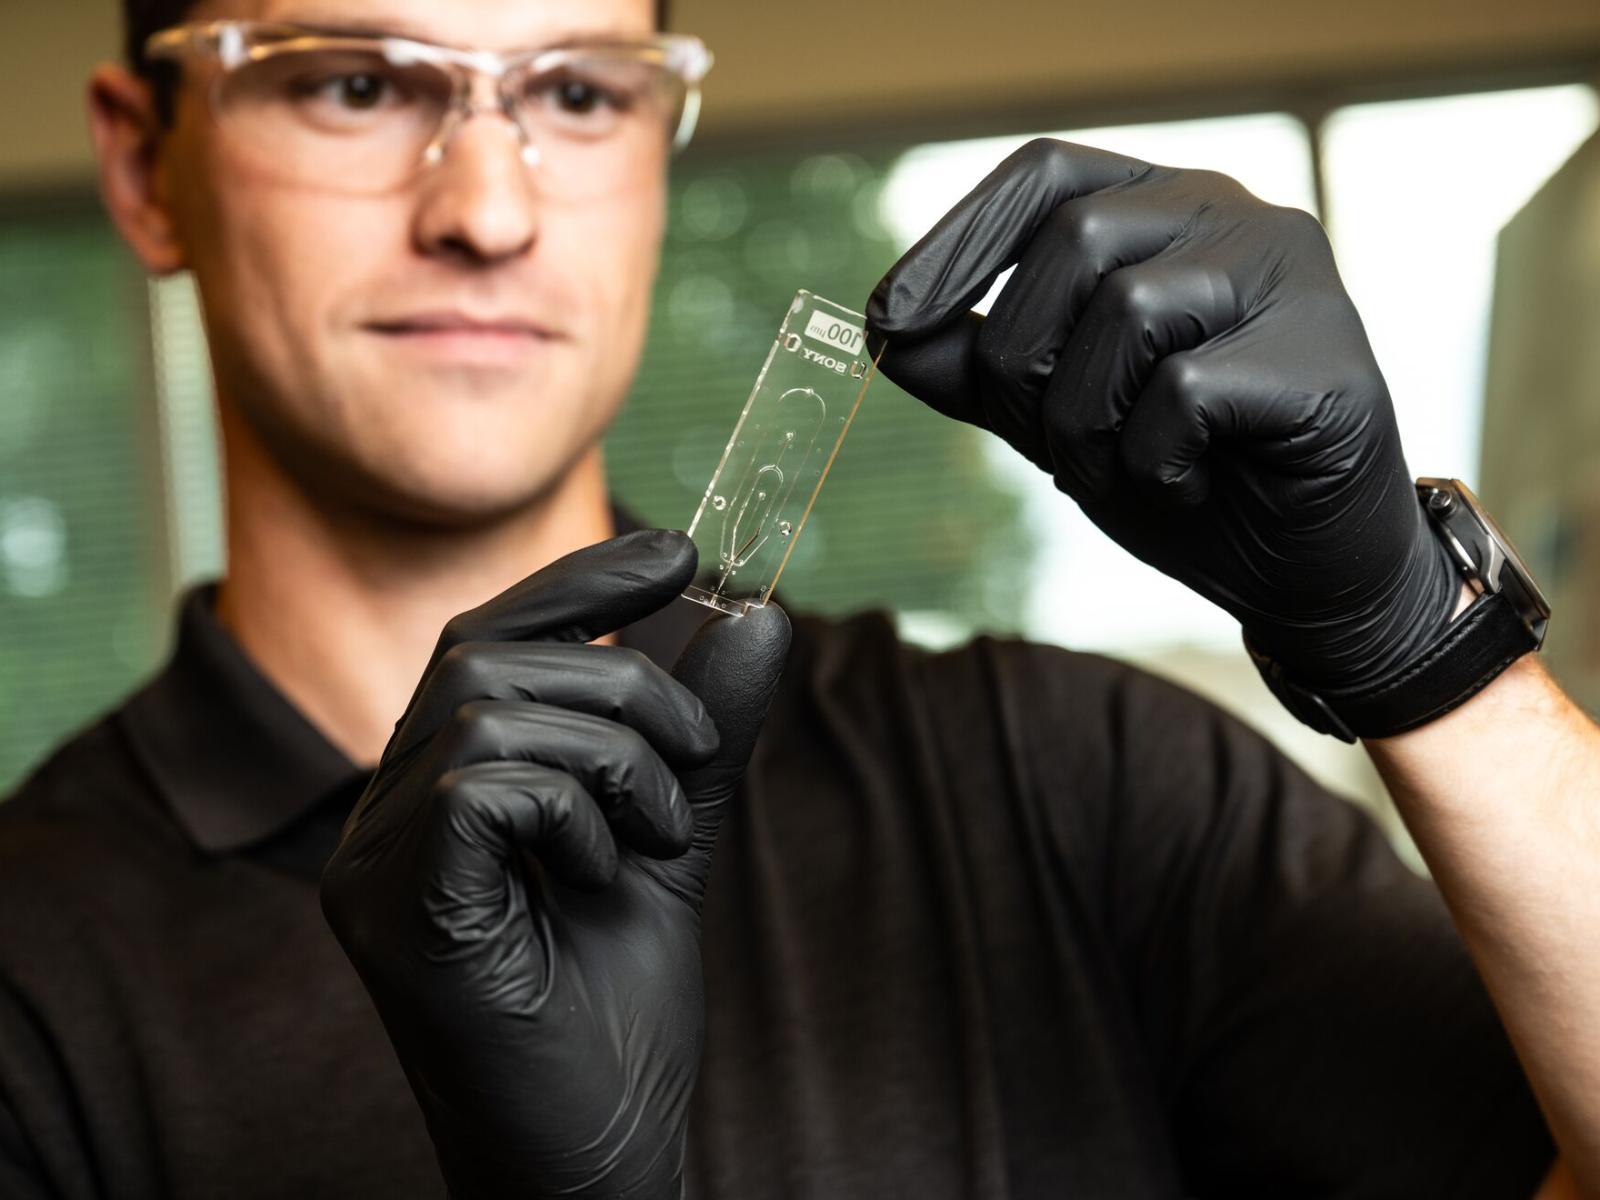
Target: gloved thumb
{"type": "Point", "coordinates": [733, 665]}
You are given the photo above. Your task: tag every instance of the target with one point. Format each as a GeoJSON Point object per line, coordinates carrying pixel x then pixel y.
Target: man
{"type": "Point", "coordinates": [1003, 922]}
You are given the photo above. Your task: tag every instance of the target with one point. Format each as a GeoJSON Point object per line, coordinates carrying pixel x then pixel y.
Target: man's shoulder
{"type": "Point", "coordinates": [87, 853]}
{"type": "Point", "coordinates": [78, 809]}
{"type": "Point", "coordinates": [94, 760]}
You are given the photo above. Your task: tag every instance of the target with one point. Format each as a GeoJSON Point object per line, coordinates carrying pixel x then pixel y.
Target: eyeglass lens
{"type": "Point", "coordinates": [353, 119]}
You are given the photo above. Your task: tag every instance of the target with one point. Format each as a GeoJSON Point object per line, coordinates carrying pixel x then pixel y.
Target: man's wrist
{"type": "Point", "coordinates": [1523, 691]}
{"type": "Point", "coordinates": [1484, 637]}
{"type": "Point", "coordinates": [1468, 611]}
{"type": "Point", "coordinates": [1519, 673]}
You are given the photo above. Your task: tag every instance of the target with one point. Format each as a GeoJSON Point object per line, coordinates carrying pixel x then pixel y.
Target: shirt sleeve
{"type": "Point", "coordinates": [1315, 1021]}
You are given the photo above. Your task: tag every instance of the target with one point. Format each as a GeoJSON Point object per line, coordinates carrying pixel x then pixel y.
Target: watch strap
{"type": "Point", "coordinates": [1479, 644]}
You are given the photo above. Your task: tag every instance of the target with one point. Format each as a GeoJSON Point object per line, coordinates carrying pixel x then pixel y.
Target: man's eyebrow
{"type": "Point", "coordinates": [354, 28]}
{"type": "Point", "coordinates": [401, 28]}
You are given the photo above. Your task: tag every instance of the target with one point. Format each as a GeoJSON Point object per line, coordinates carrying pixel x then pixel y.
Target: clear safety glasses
{"type": "Point", "coordinates": [360, 113]}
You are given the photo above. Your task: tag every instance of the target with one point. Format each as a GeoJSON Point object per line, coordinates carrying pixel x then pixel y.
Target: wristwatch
{"type": "Point", "coordinates": [1506, 620]}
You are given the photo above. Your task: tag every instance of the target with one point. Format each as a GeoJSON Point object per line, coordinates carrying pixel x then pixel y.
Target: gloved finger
{"type": "Point", "coordinates": [938, 368]}
{"type": "Point", "coordinates": [1079, 245]}
{"type": "Point", "coordinates": [955, 263]}
{"type": "Point", "coordinates": [638, 793]}
{"type": "Point", "coordinates": [1200, 400]}
{"type": "Point", "coordinates": [619, 684]}
{"type": "Point", "coordinates": [1138, 316]}
{"type": "Point", "coordinates": [493, 808]}
{"type": "Point", "coordinates": [733, 664]}
{"type": "Point", "coordinates": [585, 595]}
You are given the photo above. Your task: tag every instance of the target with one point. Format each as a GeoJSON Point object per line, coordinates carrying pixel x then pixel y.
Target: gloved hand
{"type": "Point", "coordinates": [520, 885]}
{"type": "Point", "coordinates": [1183, 359]}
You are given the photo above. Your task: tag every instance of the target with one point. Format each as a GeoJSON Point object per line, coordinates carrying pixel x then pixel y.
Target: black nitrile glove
{"type": "Point", "coordinates": [1183, 360]}
{"type": "Point", "coordinates": [520, 885]}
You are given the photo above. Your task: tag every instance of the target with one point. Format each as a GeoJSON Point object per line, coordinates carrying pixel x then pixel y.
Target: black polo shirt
{"type": "Point", "coordinates": [1001, 922]}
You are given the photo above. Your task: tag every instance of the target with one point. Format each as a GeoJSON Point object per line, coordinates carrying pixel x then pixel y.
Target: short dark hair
{"type": "Point", "coordinates": [141, 18]}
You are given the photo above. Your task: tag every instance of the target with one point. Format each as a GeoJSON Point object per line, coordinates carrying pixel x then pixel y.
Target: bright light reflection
{"type": "Point", "coordinates": [1417, 193]}
{"type": "Point", "coordinates": [1266, 152]}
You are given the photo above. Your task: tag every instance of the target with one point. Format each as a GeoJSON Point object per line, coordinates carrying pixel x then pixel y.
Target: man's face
{"type": "Point", "coordinates": [335, 320]}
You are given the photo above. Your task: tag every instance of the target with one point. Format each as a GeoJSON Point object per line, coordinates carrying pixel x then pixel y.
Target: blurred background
{"type": "Point", "coordinates": [1448, 145]}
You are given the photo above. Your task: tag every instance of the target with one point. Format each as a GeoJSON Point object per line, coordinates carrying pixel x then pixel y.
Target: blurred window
{"type": "Point", "coordinates": [83, 589]}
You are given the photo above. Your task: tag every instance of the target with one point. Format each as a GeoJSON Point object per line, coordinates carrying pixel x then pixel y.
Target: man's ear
{"type": "Point", "coordinates": [127, 139]}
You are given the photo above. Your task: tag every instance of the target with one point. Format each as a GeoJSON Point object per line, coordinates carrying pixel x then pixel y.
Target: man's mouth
{"type": "Point", "coordinates": [465, 336]}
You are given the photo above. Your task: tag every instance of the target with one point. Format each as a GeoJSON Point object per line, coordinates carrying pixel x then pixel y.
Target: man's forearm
{"type": "Point", "coordinates": [1503, 798]}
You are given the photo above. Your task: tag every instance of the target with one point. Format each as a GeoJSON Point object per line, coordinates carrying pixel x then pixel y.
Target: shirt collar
{"type": "Point", "coordinates": [236, 761]}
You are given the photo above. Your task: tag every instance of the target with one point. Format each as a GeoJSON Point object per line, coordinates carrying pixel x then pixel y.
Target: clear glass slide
{"type": "Point", "coordinates": [786, 440]}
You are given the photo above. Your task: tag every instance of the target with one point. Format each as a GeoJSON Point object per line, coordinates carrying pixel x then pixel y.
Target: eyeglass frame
{"type": "Point", "coordinates": [228, 41]}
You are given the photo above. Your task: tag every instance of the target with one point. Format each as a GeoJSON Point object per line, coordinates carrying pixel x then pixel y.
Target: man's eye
{"type": "Point", "coordinates": [357, 91]}
{"type": "Point", "coordinates": [575, 96]}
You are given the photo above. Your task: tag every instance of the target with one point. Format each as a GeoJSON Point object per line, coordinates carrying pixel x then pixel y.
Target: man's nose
{"type": "Point", "coordinates": [480, 201]}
